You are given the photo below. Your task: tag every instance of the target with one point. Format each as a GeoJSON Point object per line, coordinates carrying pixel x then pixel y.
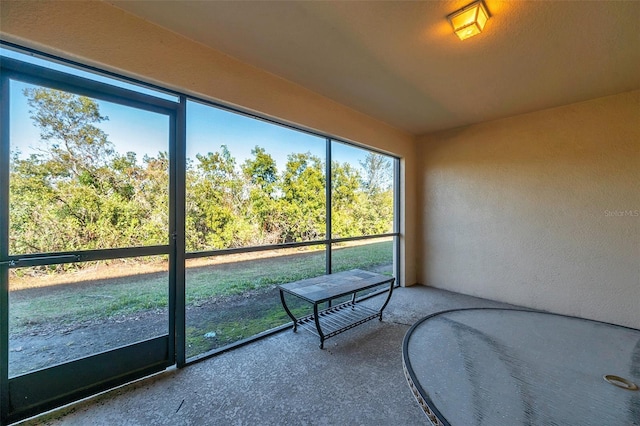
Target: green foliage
{"type": "Point", "coordinates": [377, 216]}
{"type": "Point", "coordinates": [216, 216]}
{"type": "Point", "coordinates": [362, 205]}
{"type": "Point", "coordinates": [303, 198]}
{"type": "Point", "coordinates": [77, 193]}
{"type": "Point", "coordinates": [261, 179]}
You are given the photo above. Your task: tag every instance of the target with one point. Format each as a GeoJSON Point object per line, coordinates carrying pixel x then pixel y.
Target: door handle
{"type": "Point", "coordinates": [40, 260]}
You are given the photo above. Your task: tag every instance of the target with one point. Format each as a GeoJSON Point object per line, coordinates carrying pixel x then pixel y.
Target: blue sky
{"type": "Point", "coordinates": [208, 128]}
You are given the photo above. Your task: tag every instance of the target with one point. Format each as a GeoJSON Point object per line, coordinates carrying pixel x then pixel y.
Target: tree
{"type": "Point", "coordinates": [261, 170]}
{"type": "Point", "coordinates": [303, 198]}
{"type": "Point", "coordinates": [345, 200]}
{"type": "Point", "coordinates": [54, 192]}
{"type": "Point", "coordinates": [67, 124]}
{"type": "Point", "coordinates": [376, 212]}
{"type": "Point", "coordinates": [77, 193]}
{"type": "Point", "coordinates": [261, 177]}
{"type": "Point", "coordinates": [31, 191]}
{"type": "Point", "coordinates": [378, 173]}
{"type": "Point", "coordinates": [216, 208]}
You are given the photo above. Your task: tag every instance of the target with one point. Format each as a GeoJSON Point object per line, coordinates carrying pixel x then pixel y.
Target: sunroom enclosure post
{"type": "Point", "coordinates": [328, 237]}
{"type": "Point", "coordinates": [179, 234]}
{"type": "Point", "coordinates": [4, 247]}
{"type": "Point", "coordinates": [397, 210]}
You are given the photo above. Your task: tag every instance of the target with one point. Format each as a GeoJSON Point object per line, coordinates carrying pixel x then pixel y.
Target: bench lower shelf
{"type": "Point", "coordinates": [338, 319]}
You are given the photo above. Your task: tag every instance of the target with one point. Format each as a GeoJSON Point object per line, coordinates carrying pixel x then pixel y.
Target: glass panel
{"type": "Point", "coordinates": [375, 255]}
{"type": "Point", "coordinates": [232, 297]}
{"type": "Point", "coordinates": [250, 182]}
{"type": "Point", "coordinates": [85, 174]}
{"type": "Point", "coordinates": [58, 313]}
{"type": "Point", "coordinates": [362, 192]}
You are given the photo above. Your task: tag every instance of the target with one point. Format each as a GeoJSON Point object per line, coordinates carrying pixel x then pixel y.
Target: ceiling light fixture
{"type": "Point", "coordinates": [469, 20]}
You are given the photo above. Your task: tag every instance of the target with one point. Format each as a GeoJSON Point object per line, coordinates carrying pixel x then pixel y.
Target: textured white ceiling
{"type": "Point", "coordinates": [400, 62]}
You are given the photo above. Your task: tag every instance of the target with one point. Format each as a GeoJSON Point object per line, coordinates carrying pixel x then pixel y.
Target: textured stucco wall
{"type": "Point", "coordinates": [541, 209]}
{"type": "Point", "coordinates": [98, 34]}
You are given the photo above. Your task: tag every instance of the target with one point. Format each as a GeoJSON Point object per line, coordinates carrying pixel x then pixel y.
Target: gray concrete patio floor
{"type": "Point", "coordinates": [284, 379]}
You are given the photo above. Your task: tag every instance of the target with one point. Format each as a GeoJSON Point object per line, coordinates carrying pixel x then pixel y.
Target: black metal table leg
{"type": "Point", "coordinates": [317, 321]}
{"type": "Point", "coordinates": [388, 298]}
{"type": "Point", "coordinates": [284, 305]}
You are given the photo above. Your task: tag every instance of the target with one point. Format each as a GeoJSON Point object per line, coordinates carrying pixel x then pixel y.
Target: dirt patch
{"type": "Point", "coordinates": [45, 345]}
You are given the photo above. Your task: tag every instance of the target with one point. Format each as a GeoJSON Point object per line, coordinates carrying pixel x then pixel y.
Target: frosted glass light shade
{"type": "Point", "coordinates": [469, 20]}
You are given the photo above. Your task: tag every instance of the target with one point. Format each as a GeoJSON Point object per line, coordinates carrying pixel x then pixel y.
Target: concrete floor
{"type": "Point", "coordinates": [284, 379]}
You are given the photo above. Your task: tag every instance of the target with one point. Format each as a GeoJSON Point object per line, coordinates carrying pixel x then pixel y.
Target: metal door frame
{"type": "Point", "coordinates": [37, 391]}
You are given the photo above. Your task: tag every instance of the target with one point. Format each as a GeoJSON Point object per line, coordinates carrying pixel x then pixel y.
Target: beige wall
{"type": "Point", "coordinates": [525, 209]}
{"type": "Point", "coordinates": [98, 34]}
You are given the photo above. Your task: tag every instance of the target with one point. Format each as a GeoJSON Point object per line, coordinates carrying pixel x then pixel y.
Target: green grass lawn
{"type": "Point", "coordinates": [97, 300]}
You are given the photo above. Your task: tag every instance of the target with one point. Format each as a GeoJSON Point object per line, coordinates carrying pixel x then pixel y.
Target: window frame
{"type": "Point", "coordinates": [113, 93]}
